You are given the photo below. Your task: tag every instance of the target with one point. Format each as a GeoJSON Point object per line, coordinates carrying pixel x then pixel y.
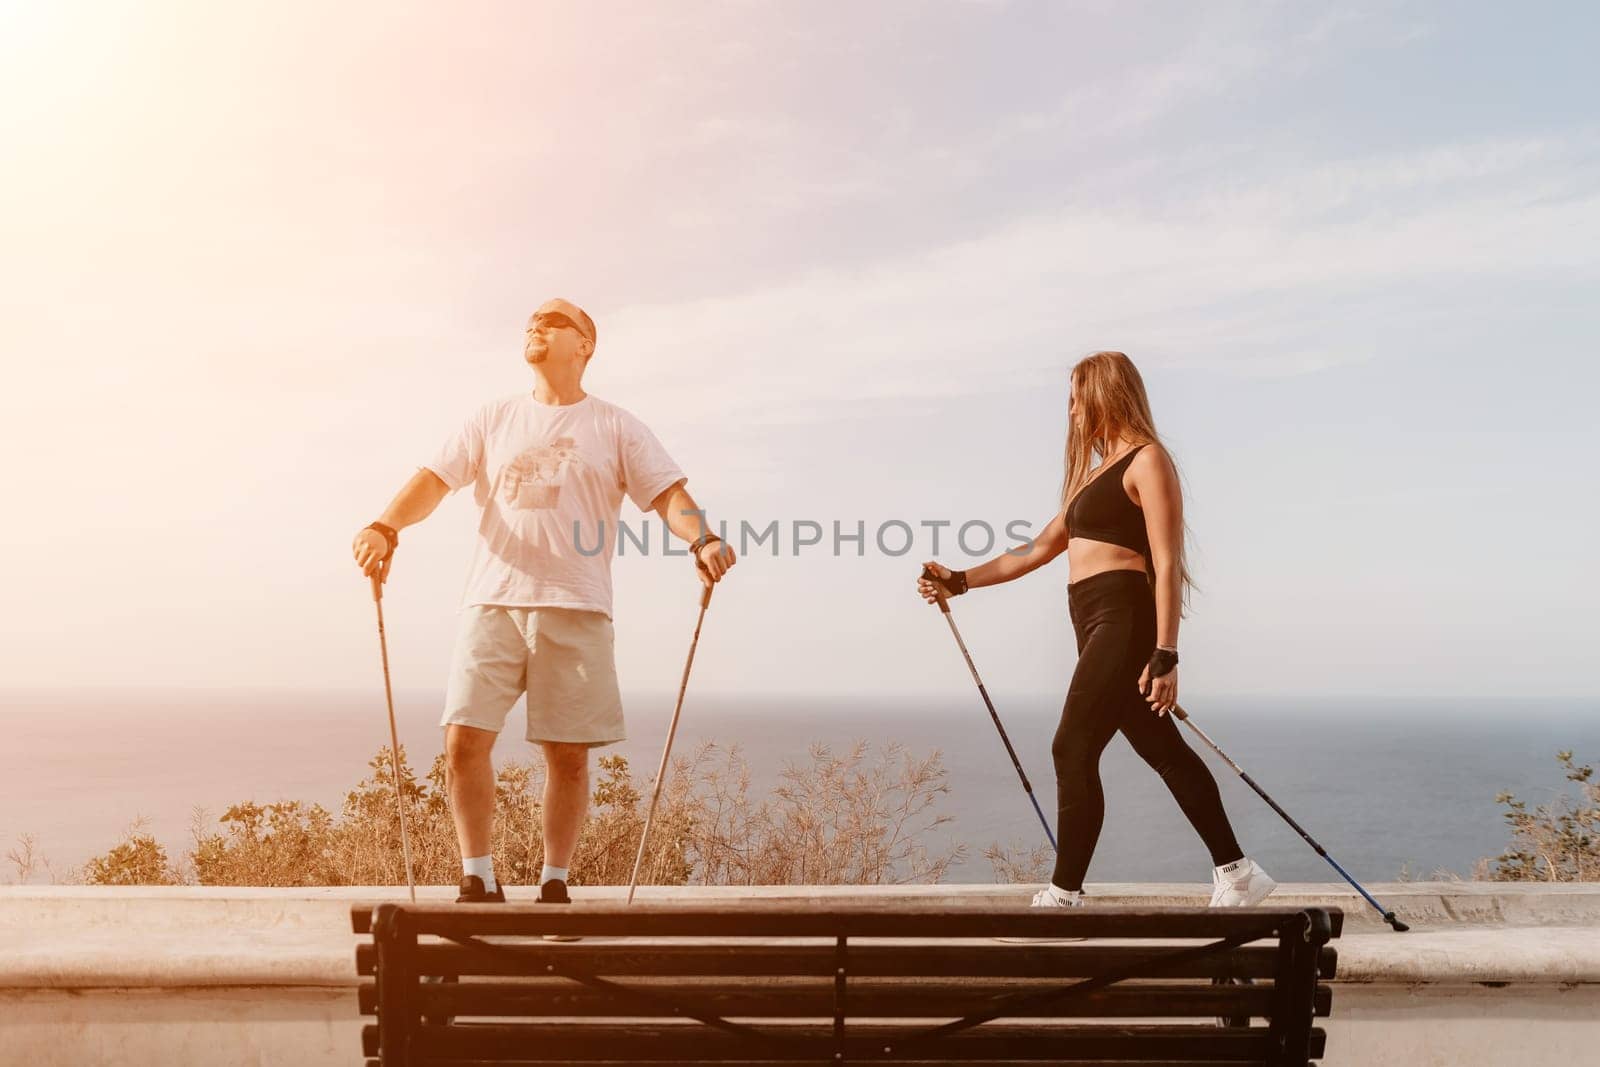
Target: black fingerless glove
{"type": "Point", "coordinates": [1162, 662]}
{"type": "Point", "coordinates": [954, 585]}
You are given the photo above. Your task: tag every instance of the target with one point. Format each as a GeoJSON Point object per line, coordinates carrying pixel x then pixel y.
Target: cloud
{"type": "Point", "coordinates": [1226, 51]}
{"type": "Point", "coordinates": [1245, 277]}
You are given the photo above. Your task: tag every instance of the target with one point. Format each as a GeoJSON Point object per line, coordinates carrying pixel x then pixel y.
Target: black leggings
{"type": "Point", "coordinates": [1114, 617]}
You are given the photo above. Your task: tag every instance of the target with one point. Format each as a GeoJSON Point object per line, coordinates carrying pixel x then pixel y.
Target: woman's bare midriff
{"type": "Point", "coordinates": [1086, 558]}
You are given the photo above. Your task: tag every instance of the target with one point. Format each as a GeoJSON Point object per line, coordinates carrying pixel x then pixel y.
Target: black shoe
{"type": "Point", "coordinates": [472, 892]}
{"type": "Point", "coordinates": [555, 892]}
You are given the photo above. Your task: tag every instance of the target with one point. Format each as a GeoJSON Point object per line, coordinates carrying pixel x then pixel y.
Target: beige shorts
{"type": "Point", "coordinates": [562, 658]}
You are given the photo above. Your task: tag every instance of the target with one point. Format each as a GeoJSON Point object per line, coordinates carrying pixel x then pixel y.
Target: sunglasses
{"type": "Point", "coordinates": [554, 320]}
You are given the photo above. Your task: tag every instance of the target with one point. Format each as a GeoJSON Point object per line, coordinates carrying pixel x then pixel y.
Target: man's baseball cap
{"type": "Point", "coordinates": [580, 318]}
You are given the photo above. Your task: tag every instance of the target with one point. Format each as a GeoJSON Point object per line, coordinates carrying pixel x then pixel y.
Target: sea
{"type": "Point", "coordinates": [1392, 789]}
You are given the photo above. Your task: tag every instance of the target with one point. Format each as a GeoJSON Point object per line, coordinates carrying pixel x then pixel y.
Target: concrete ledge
{"type": "Point", "coordinates": [1421, 903]}
{"type": "Point", "coordinates": [187, 937]}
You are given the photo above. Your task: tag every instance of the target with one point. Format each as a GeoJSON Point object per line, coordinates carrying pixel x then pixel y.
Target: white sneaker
{"type": "Point", "coordinates": [1046, 898]}
{"type": "Point", "coordinates": [1244, 887]}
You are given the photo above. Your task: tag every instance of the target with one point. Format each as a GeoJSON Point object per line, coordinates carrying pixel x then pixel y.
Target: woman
{"type": "Point", "coordinates": [1121, 526]}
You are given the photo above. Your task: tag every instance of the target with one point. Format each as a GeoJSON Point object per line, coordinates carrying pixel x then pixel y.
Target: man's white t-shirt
{"type": "Point", "coordinates": [550, 480]}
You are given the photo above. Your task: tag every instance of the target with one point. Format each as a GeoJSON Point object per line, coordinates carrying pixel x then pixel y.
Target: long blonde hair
{"type": "Point", "coordinates": [1112, 405]}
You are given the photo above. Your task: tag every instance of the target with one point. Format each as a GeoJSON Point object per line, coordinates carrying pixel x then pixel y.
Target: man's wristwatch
{"type": "Point", "coordinates": [700, 542]}
{"type": "Point", "coordinates": [390, 534]}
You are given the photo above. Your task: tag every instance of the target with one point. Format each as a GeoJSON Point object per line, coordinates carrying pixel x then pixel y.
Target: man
{"type": "Point", "coordinates": [549, 469]}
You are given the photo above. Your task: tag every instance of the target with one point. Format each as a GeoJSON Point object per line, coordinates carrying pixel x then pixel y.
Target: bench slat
{"type": "Point", "coordinates": [820, 919]}
{"type": "Point", "coordinates": [973, 1062]}
{"type": "Point", "coordinates": [362, 917]}
{"type": "Point", "coordinates": [784, 999]}
{"type": "Point", "coordinates": [691, 1042]}
{"type": "Point", "coordinates": [625, 959]}
{"type": "Point", "coordinates": [1195, 1002]}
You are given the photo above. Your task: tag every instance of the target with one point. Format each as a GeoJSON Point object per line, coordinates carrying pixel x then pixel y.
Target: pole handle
{"type": "Point", "coordinates": [1179, 713]}
{"type": "Point", "coordinates": [938, 589]}
{"type": "Point", "coordinates": [380, 576]}
{"type": "Point", "coordinates": [706, 583]}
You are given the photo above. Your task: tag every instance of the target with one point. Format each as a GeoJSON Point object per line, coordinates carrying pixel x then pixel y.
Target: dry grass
{"type": "Point", "coordinates": [1021, 863]}
{"type": "Point", "coordinates": [837, 820]}
{"type": "Point", "coordinates": [29, 863]}
{"type": "Point", "coordinates": [850, 819]}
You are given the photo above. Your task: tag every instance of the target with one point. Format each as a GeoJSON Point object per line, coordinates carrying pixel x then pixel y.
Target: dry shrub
{"type": "Point", "coordinates": [28, 862]}
{"type": "Point", "coordinates": [838, 820]}
{"type": "Point", "coordinates": [1555, 842]}
{"type": "Point", "coordinates": [296, 844]}
{"type": "Point", "coordinates": [834, 820]}
{"type": "Point", "coordinates": [137, 860]}
{"type": "Point", "coordinates": [1021, 863]}
{"type": "Point", "coordinates": [1440, 874]}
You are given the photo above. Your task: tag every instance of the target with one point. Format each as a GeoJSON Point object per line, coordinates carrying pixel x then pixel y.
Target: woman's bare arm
{"type": "Point", "coordinates": [1011, 564]}
{"type": "Point", "coordinates": [1155, 480]}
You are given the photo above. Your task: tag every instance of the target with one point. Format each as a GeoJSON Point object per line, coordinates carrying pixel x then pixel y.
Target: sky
{"type": "Point", "coordinates": [260, 260]}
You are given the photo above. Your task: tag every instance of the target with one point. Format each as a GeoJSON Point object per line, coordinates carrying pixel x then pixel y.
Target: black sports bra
{"type": "Point", "coordinates": [1102, 511]}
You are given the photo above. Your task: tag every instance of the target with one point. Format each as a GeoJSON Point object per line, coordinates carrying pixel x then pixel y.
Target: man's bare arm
{"type": "Point", "coordinates": [686, 519]}
{"type": "Point", "coordinates": [415, 501]}
{"type": "Point", "coordinates": [679, 511]}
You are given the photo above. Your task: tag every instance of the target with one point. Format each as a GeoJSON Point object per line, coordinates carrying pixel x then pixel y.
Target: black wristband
{"type": "Point", "coordinates": [956, 583]}
{"type": "Point", "coordinates": [1162, 662]}
{"type": "Point", "coordinates": [390, 534]}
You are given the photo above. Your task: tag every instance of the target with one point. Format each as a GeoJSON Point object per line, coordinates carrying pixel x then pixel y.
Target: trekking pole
{"type": "Point", "coordinates": [666, 753]}
{"type": "Point", "coordinates": [1388, 916]}
{"type": "Point", "coordinates": [944, 606]}
{"type": "Point", "coordinates": [394, 734]}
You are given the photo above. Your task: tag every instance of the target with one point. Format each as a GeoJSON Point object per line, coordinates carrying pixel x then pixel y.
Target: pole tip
{"type": "Point", "coordinates": [1399, 927]}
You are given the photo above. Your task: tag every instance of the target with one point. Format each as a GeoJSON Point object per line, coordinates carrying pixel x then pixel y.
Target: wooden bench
{"type": "Point", "coordinates": [775, 981]}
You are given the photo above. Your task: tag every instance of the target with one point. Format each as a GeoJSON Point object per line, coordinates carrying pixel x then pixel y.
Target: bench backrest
{"type": "Point", "coordinates": [776, 980]}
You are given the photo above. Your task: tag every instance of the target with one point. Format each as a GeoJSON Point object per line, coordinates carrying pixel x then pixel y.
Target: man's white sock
{"type": "Point", "coordinates": [550, 872]}
{"type": "Point", "coordinates": [483, 867]}
{"type": "Point", "coordinates": [1066, 896]}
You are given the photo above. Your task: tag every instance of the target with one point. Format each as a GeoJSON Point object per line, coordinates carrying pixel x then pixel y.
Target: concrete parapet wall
{"type": "Point", "coordinates": [1490, 973]}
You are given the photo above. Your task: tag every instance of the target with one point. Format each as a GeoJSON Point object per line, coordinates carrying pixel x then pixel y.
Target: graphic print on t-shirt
{"type": "Point", "coordinates": [533, 480]}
